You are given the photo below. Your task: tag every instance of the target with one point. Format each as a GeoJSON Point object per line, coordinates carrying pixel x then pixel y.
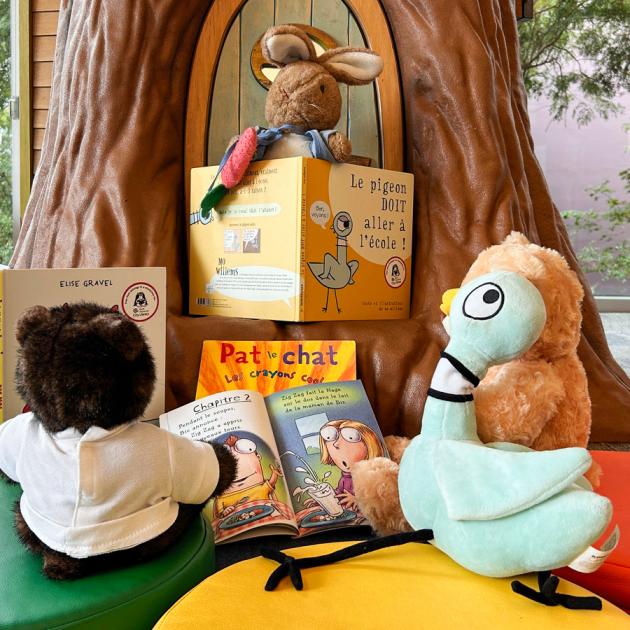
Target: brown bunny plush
{"type": "Point", "coordinates": [539, 400]}
{"type": "Point", "coordinates": [305, 93]}
{"type": "Point", "coordinates": [303, 106]}
{"type": "Point", "coordinates": [100, 489]}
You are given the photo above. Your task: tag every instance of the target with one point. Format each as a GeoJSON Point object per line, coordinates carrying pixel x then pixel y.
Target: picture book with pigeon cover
{"type": "Point", "coordinates": [294, 450]}
{"type": "Point", "coordinates": [301, 239]}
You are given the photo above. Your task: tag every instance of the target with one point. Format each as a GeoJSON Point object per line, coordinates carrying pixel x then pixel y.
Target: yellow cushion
{"type": "Point", "coordinates": [413, 586]}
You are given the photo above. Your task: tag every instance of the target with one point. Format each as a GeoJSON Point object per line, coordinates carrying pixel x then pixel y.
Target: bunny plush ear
{"type": "Point", "coordinates": [286, 44]}
{"type": "Point", "coordinates": [354, 66]}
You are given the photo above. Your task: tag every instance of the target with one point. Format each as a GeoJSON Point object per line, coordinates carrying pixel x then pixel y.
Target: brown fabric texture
{"type": "Point", "coordinates": [109, 190]}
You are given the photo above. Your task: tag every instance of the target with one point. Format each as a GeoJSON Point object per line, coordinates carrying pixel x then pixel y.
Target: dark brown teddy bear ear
{"type": "Point", "coordinates": [30, 320]}
{"type": "Point", "coordinates": [120, 333]}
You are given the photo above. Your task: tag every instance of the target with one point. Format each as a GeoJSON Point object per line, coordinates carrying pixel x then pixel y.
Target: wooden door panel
{"type": "Point", "coordinates": [238, 100]}
{"type": "Point", "coordinates": [224, 113]}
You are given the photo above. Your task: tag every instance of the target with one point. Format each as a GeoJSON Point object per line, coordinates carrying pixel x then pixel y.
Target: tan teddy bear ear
{"type": "Point", "coordinates": [516, 238]}
{"type": "Point", "coordinates": [30, 320]}
{"type": "Point", "coordinates": [354, 66]}
{"type": "Point", "coordinates": [286, 44]}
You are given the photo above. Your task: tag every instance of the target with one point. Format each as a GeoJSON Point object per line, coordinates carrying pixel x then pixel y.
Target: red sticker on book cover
{"type": "Point", "coordinates": [140, 301]}
{"type": "Point", "coordinates": [395, 272]}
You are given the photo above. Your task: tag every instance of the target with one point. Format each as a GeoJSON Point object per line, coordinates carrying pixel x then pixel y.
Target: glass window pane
{"type": "Point", "coordinates": [575, 58]}
{"type": "Point", "coordinates": [6, 202]}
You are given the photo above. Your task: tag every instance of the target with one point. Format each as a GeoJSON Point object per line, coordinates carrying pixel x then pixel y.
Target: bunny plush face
{"type": "Point", "coordinates": [82, 365]}
{"type": "Point", "coordinates": [305, 92]}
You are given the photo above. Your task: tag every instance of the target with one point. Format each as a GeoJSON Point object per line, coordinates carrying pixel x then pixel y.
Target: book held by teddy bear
{"type": "Point", "coordinates": [294, 451]}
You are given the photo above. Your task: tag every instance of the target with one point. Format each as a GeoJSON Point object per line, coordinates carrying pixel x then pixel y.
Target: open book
{"type": "Point", "coordinates": [294, 451]}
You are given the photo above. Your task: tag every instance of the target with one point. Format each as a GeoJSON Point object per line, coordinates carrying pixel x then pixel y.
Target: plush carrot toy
{"type": "Point", "coordinates": [231, 170]}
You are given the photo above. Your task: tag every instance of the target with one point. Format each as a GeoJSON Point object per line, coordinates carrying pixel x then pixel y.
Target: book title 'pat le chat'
{"type": "Point", "coordinates": [271, 366]}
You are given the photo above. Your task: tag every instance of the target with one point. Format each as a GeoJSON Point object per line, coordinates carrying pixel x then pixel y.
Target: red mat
{"type": "Point", "coordinates": [612, 580]}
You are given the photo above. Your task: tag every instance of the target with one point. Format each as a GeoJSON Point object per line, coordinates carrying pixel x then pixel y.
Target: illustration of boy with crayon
{"type": "Point", "coordinates": [250, 483]}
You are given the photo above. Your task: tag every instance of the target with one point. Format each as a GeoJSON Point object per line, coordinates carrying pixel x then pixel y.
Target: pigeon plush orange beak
{"type": "Point", "coordinates": [447, 300]}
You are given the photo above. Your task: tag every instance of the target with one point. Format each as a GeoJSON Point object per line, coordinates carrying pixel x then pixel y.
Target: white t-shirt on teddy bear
{"type": "Point", "coordinates": [103, 491]}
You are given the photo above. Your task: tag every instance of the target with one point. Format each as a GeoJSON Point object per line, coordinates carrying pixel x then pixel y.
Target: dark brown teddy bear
{"type": "Point", "coordinates": [100, 489]}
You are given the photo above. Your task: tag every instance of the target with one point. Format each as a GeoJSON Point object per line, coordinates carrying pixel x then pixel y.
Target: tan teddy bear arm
{"type": "Point", "coordinates": [516, 400]}
{"type": "Point", "coordinates": [376, 490]}
{"type": "Point", "coordinates": [396, 446]}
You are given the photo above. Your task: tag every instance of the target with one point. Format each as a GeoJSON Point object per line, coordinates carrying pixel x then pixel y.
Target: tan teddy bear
{"type": "Point", "coordinates": [539, 400]}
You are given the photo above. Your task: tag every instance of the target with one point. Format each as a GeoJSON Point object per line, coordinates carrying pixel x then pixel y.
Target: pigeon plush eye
{"type": "Point", "coordinates": [484, 302]}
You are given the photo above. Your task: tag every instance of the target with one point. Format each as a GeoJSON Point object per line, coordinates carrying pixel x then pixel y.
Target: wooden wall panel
{"type": "Point", "coordinates": [363, 119]}
{"type": "Point", "coordinates": [332, 17]}
{"type": "Point", "coordinates": [44, 19]}
{"type": "Point", "coordinates": [293, 12]}
{"type": "Point", "coordinates": [256, 16]}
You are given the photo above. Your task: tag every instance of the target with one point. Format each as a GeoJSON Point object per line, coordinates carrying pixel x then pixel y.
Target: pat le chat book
{"type": "Point", "coordinates": [270, 366]}
{"type": "Point", "coordinates": [294, 450]}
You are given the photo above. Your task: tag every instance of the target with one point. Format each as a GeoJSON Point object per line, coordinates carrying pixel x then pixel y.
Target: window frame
{"type": "Point", "coordinates": [20, 109]}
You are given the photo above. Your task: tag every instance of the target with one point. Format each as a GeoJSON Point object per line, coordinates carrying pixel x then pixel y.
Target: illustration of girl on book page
{"type": "Point", "coordinates": [340, 443]}
{"type": "Point", "coordinates": [343, 443]}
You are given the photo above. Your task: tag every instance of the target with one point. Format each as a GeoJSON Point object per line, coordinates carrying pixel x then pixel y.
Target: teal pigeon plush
{"type": "Point", "coordinates": [497, 509]}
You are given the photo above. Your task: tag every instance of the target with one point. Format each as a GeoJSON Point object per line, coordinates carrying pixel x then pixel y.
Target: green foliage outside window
{"type": "Point", "coordinates": [577, 54]}
{"type": "Point", "coordinates": [605, 254]}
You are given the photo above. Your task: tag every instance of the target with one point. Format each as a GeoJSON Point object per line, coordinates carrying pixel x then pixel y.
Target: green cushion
{"type": "Point", "coordinates": [135, 597]}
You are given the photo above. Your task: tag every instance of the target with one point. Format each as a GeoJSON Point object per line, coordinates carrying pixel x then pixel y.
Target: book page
{"type": "Point", "coordinates": [321, 431]}
{"type": "Point", "coordinates": [259, 495]}
{"type": "Point", "coordinates": [271, 366]}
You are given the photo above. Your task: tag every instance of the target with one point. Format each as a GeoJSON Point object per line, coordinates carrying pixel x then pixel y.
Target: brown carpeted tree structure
{"type": "Point", "coordinates": [110, 186]}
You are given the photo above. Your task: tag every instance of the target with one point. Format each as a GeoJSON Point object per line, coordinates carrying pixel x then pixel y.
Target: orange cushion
{"type": "Point", "coordinates": [612, 580]}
